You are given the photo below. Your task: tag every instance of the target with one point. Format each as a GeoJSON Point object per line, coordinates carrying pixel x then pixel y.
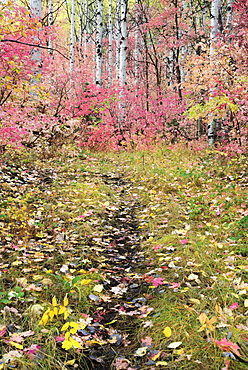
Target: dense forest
{"type": "Point", "coordinates": [114, 75]}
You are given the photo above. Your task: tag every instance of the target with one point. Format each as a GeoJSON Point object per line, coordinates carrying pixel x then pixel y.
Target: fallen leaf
{"type": "Point", "coordinates": [174, 345]}
{"type": "Point", "coordinates": [167, 331]}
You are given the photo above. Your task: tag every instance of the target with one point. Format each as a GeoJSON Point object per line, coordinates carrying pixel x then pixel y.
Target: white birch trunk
{"type": "Point", "coordinates": [110, 45]}
{"type": "Point", "coordinates": [80, 30]}
{"type": "Point", "coordinates": [123, 44]}
{"type": "Point", "coordinates": [36, 55]}
{"type": "Point", "coordinates": [136, 48]}
{"type": "Point", "coordinates": [86, 28]}
{"type": "Point", "coordinates": [214, 23]}
{"type": "Point", "coordinates": [50, 23]}
{"type": "Point", "coordinates": [117, 37]}
{"type": "Point", "coordinates": [72, 41]}
{"type": "Point", "coordinates": [99, 44]}
{"type": "Point", "coordinates": [229, 14]}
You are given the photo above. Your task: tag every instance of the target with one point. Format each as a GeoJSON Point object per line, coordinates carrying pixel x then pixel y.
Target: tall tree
{"type": "Point", "coordinates": [215, 29]}
{"type": "Point", "coordinates": [123, 43]}
{"type": "Point", "coordinates": [72, 41]}
{"type": "Point", "coordinates": [99, 31]}
{"type": "Point", "coordinates": [50, 24]}
{"type": "Point", "coordinates": [110, 44]}
{"type": "Point", "coordinates": [36, 55]}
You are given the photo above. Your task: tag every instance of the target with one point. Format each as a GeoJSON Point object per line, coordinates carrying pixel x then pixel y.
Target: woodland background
{"type": "Point", "coordinates": [118, 74]}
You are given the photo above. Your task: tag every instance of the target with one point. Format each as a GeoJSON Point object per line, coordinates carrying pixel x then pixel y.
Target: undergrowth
{"type": "Point", "coordinates": [193, 231]}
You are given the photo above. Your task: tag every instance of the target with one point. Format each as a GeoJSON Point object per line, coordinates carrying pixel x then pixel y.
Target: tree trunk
{"type": "Point", "coordinates": [117, 37]}
{"type": "Point", "coordinates": [81, 31]}
{"type": "Point", "coordinates": [50, 24]}
{"type": "Point", "coordinates": [99, 44]}
{"type": "Point", "coordinates": [136, 50]}
{"type": "Point", "coordinates": [123, 44]}
{"type": "Point", "coordinates": [110, 45]}
{"type": "Point", "coordinates": [72, 43]}
{"type": "Point", "coordinates": [214, 23]}
{"type": "Point", "coordinates": [36, 55]}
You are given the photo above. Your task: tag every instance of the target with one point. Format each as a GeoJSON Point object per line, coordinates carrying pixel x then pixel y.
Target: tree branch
{"type": "Point", "coordinates": [35, 45]}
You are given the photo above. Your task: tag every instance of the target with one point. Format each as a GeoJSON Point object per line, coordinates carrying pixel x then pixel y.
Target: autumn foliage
{"type": "Point", "coordinates": [180, 87]}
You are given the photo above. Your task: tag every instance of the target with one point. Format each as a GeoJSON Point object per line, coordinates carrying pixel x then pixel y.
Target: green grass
{"type": "Point", "coordinates": [193, 231]}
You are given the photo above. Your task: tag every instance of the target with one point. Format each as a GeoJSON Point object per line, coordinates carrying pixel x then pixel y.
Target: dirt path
{"type": "Point", "coordinates": [124, 304]}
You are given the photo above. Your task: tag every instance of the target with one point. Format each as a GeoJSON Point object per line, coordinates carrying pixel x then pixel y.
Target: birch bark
{"type": "Point", "coordinates": [72, 41]}
{"type": "Point", "coordinates": [36, 55]}
{"type": "Point", "coordinates": [110, 45]}
{"type": "Point", "coordinates": [214, 23]}
{"type": "Point", "coordinates": [50, 23]}
{"type": "Point", "coordinates": [99, 44]}
{"type": "Point", "coordinates": [123, 44]}
{"type": "Point", "coordinates": [136, 50]}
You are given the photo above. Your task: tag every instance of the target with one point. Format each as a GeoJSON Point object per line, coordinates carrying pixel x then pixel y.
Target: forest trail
{"type": "Point", "coordinates": [123, 261]}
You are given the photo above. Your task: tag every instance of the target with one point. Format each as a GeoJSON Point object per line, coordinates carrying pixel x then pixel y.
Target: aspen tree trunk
{"type": "Point", "coordinates": [86, 28]}
{"type": "Point", "coordinates": [229, 15]}
{"type": "Point", "coordinates": [72, 41]}
{"type": "Point", "coordinates": [50, 23]}
{"type": "Point", "coordinates": [36, 55]}
{"type": "Point", "coordinates": [99, 44]}
{"type": "Point", "coordinates": [214, 23]}
{"type": "Point", "coordinates": [123, 44]}
{"type": "Point", "coordinates": [81, 30]}
{"type": "Point", "coordinates": [110, 44]}
{"type": "Point", "coordinates": [136, 49]}
{"type": "Point", "coordinates": [117, 37]}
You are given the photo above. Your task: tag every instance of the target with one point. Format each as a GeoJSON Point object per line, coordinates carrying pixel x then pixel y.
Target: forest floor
{"type": "Point", "coordinates": [123, 261]}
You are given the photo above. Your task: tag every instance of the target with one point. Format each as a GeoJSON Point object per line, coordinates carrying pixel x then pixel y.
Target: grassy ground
{"type": "Point", "coordinates": [192, 223]}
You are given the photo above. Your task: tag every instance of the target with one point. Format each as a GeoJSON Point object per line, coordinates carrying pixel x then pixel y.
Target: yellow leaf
{"type": "Point", "coordinates": [82, 325]}
{"type": "Point", "coordinates": [167, 331]}
{"type": "Point", "coordinates": [75, 343]}
{"type": "Point", "coordinates": [218, 309]}
{"type": "Point", "coordinates": [65, 326]}
{"type": "Point", "coordinates": [74, 325]}
{"type": "Point", "coordinates": [203, 318]}
{"type": "Point", "coordinates": [94, 341]}
{"type": "Point", "coordinates": [161, 363]}
{"type": "Point", "coordinates": [55, 310]}
{"type": "Point", "coordinates": [85, 281]}
{"type": "Point", "coordinates": [246, 302]}
{"type": "Point", "coordinates": [193, 300]}
{"type": "Point", "coordinates": [154, 358]}
{"type": "Point", "coordinates": [202, 328]}
{"type": "Point", "coordinates": [62, 310]}
{"type": "Point", "coordinates": [66, 302]}
{"type": "Point", "coordinates": [213, 320]}
{"type": "Point", "coordinates": [67, 344]}
{"type": "Point", "coordinates": [17, 345]}
{"type": "Point", "coordinates": [44, 319]}
{"type": "Point", "coordinates": [66, 315]}
{"type": "Point", "coordinates": [51, 314]}
{"type": "Point", "coordinates": [54, 301]}
{"type": "Point", "coordinates": [71, 362]}
{"type": "Point", "coordinates": [67, 335]}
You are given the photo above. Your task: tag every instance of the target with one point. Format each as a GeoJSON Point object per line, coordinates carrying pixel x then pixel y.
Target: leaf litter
{"type": "Point", "coordinates": [74, 265]}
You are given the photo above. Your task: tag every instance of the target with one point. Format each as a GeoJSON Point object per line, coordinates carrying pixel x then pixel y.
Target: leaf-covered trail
{"type": "Point", "coordinates": [120, 261]}
{"type": "Point", "coordinates": [53, 245]}
{"type": "Point", "coordinates": [126, 261]}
